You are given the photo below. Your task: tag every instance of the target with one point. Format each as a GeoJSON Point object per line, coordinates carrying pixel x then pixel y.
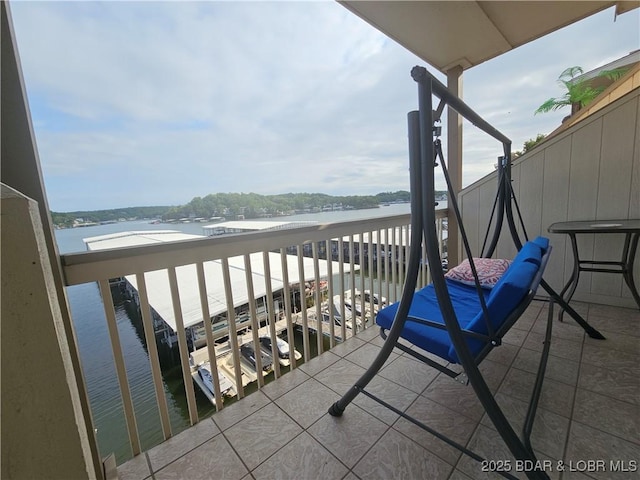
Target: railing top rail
{"type": "Point", "coordinates": [86, 267]}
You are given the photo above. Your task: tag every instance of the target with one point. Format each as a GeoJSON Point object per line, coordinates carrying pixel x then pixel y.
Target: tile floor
{"type": "Point", "coordinates": [589, 411]}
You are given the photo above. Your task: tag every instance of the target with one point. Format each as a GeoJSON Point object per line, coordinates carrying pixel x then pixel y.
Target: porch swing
{"type": "Point", "coordinates": [462, 323]}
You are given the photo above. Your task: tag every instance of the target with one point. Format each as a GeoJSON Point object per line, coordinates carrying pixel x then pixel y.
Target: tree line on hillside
{"type": "Point", "coordinates": [67, 219]}
{"type": "Point", "coordinates": [253, 205]}
{"type": "Point", "coordinates": [231, 205]}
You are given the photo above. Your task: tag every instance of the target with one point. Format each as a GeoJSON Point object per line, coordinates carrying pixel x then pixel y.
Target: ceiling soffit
{"type": "Point", "coordinates": [466, 33]}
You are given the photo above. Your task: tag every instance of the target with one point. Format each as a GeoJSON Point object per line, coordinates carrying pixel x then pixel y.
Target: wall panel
{"type": "Point", "coordinates": [586, 146]}
{"type": "Point", "coordinates": [470, 208]}
{"type": "Point", "coordinates": [589, 171]}
{"type": "Point", "coordinates": [555, 195]}
{"type": "Point", "coordinates": [531, 183]}
{"type": "Point", "coordinates": [634, 203]}
{"type": "Point", "coordinates": [614, 189]}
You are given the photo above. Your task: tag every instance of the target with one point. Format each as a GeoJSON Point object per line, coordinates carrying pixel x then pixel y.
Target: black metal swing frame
{"type": "Point", "coordinates": [424, 153]}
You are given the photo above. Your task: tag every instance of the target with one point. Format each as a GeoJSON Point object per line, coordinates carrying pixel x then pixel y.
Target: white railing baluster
{"type": "Point", "coordinates": [332, 332]}
{"type": "Point", "coordinates": [440, 229]}
{"type": "Point", "coordinates": [287, 307]}
{"type": "Point", "coordinates": [343, 326]}
{"type": "Point", "coordinates": [253, 317]}
{"type": "Point", "coordinates": [154, 361]}
{"type": "Point", "coordinates": [361, 264]}
{"type": "Point", "coordinates": [303, 305]}
{"type": "Point", "coordinates": [182, 346]}
{"type": "Point", "coordinates": [271, 317]}
{"type": "Point", "coordinates": [352, 283]}
{"type": "Point", "coordinates": [387, 277]}
{"type": "Point", "coordinates": [425, 268]}
{"type": "Point", "coordinates": [121, 370]}
{"type": "Point", "coordinates": [233, 331]}
{"type": "Point", "coordinates": [379, 262]}
{"type": "Point", "coordinates": [208, 330]}
{"type": "Point", "coordinates": [370, 267]}
{"type": "Point", "coordinates": [317, 297]}
{"type": "Point", "coordinates": [401, 252]}
{"type": "Point", "coordinates": [394, 263]}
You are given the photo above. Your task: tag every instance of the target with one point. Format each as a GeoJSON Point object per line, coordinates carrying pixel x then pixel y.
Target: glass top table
{"type": "Point", "coordinates": [631, 229]}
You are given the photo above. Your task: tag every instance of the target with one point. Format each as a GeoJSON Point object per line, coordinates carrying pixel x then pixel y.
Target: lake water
{"type": "Point", "coordinates": [95, 348]}
{"type": "Point", "coordinates": [70, 239]}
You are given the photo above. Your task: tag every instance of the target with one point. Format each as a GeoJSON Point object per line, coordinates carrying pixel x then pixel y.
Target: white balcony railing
{"type": "Point", "coordinates": [303, 251]}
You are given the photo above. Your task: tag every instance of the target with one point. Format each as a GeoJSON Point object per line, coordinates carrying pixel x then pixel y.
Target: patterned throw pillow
{"type": "Point", "coordinates": [489, 271]}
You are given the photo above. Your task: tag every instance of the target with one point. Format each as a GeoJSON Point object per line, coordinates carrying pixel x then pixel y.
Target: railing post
{"type": "Point", "coordinates": [454, 152]}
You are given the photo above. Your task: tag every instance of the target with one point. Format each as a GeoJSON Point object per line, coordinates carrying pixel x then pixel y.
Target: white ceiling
{"type": "Point", "coordinates": [466, 33]}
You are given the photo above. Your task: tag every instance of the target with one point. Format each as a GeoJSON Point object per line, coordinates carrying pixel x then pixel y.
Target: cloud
{"type": "Point", "coordinates": [158, 102]}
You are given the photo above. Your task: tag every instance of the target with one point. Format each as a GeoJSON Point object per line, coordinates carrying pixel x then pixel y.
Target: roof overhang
{"type": "Point", "coordinates": [448, 34]}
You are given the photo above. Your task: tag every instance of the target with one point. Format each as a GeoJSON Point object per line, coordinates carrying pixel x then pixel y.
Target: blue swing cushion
{"type": "Point", "coordinates": [501, 301]}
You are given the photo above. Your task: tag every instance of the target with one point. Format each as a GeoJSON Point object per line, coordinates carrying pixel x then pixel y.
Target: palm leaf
{"type": "Point", "coordinates": [615, 74]}
{"type": "Point", "coordinates": [551, 105]}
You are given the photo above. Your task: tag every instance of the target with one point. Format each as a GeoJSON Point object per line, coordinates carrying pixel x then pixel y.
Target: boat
{"type": "Point", "coordinates": [248, 352]}
{"type": "Point", "coordinates": [353, 302]}
{"type": "Point", "coordinates": [335, 307]}
{"type": "Point", "coordinates": [204, 379]}
{"type": "Point", "coordinates": [372, 301]}
{"type": "Point", "coordinates": [283, 348]}
{"type": "Point", "coordinates": [248, 373]}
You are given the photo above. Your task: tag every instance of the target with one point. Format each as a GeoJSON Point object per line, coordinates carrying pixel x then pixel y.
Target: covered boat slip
{"type": "Point", "coordinates": [251, 280]}
{"type": "Point", "coordinates": [159, 289]}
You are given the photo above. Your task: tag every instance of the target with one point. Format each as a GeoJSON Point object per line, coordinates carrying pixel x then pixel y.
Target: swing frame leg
{"type": "Point", "coordinates": [592, 332]}
{"type": "Point", "coordinates": [411, 278]}
{"type": "Point", "coordinates": [338, 408]}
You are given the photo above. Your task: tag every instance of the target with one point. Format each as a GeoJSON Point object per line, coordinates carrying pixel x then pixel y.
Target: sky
{"type": "Point", "coordinates": [155, 103]}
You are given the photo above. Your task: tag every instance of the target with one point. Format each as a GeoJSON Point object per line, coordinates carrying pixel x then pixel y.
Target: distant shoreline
{"type": "Point", "coordinates": [236, 206]}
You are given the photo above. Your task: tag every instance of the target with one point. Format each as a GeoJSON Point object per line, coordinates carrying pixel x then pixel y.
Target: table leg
{"type": "Point", "coordinates": [573, 280]}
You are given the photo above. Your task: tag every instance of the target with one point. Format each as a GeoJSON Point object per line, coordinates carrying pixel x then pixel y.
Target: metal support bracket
{"type": "Point", "coordinates": [462, 378]}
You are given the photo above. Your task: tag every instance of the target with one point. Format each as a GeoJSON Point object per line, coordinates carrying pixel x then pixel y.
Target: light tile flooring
{"type": "Point", "coordinates": [589, 413]}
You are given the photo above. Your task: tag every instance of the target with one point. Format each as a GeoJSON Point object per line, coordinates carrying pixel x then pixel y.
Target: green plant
{"type": "Point", "coordinates": [529, 145]}
{"type": "Point", "coordinates": [579, 92]}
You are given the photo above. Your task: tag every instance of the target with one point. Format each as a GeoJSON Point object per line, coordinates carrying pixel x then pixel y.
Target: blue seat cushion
{"type": "Point", "coordinates": [466, 305]}
{"type": "Point", "coordinates": [542, 242]}
{"type": "Point", "coordinates": [501, 301]}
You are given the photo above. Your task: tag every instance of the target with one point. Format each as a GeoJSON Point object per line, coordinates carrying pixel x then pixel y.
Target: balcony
{"type": "Point", "coordinates": [588, 413]}
{"type": "Point", "coordinates": [256, 280]}
{"type": "Point", "coordinates": [588, 409]}
{"type": "Point", "coordinates": [588, 417]}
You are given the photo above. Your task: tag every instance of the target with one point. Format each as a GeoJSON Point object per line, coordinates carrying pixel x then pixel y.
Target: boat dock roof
{"type": "Point", "coordinates": [133, 238]}
{"type": "Point", "coordinates": [159, 291]}
{"type": "Point", "coordinates": [241, 226]}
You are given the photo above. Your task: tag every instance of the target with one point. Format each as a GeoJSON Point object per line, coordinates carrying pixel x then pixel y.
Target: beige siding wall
{"type": "Point", "coordinates": [590, 171]}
